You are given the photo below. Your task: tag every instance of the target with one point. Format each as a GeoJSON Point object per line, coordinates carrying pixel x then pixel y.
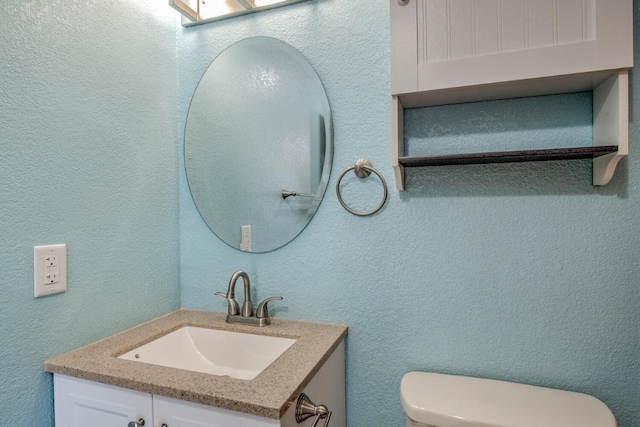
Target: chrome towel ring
{"type": "Point", "coordinates": [362, 169]}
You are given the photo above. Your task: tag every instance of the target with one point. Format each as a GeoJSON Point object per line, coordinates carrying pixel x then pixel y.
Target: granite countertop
{"type": "Point", "coordinates": [268, 395]}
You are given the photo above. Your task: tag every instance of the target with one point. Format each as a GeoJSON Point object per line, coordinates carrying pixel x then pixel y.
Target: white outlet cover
{"type": "Point", "coordinates": [41, 285]}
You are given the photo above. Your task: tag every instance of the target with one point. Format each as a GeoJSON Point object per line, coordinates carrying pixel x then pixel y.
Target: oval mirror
{"type": "Point", "coordinates": [258, 144]}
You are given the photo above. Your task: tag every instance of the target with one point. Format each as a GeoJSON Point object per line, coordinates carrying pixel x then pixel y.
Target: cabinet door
{"type": "Point", "coordinates": [460, 43]}
{"type": "Point", "coordinates": [80, 403]}
{"type": "Point", "coordinates": [178, 413]}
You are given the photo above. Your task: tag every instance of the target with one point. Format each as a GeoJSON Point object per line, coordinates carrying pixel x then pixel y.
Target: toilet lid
{"type": "Point", "coordinates": [454, 401]}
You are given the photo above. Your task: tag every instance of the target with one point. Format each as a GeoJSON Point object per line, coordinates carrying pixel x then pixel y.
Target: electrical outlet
{"type": "Point", "coordinates": [49, 270]}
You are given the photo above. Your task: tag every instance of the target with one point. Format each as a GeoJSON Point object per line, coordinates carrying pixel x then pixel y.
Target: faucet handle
{"type": "Point", "coordinates": [233, 309]}
{"type": "Point", "coordinates": [262, 311]}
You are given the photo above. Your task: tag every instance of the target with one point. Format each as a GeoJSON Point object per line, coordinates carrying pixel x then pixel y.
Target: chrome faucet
{"type": "Point", "coordinates": [246, 317]}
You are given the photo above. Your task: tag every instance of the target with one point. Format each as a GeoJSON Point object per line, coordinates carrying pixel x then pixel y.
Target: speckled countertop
{"type": "Point", "coordinates": [268, 395]}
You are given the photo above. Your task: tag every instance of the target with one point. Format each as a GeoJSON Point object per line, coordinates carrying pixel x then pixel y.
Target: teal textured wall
{"type": "Point", "coordinates": [519, 272]}
{"type": "Point", "coordinates": [87, 158]}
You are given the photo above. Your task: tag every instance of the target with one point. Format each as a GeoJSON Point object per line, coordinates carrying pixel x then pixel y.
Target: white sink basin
{"type": "Point", "coordinates": [211, 351]}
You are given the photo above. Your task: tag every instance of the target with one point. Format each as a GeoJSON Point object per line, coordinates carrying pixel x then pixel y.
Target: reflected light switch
{"type": "Point", "coordinates": [245, 243]}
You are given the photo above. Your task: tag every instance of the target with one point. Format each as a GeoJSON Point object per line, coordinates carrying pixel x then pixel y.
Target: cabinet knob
{"type": "Point", "coordinates": [403, 2]}
{"type": "Point", "coordinates": [138, 423]}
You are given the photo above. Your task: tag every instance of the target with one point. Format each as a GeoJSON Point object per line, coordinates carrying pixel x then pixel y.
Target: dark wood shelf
{"type": "Point", "coordinates": [509, 156]}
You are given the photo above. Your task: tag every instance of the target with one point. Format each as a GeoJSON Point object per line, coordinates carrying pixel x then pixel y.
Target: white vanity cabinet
{"type": "Point", "coordinates": [177, 413]}
{"type": "Point", "coordinates": [455, 51]}
{"type": "Point", "coordinates": [82, 403]}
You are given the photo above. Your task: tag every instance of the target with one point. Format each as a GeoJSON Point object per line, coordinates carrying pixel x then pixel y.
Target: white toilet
{"type": "Point", "coordinates": [436, 400]}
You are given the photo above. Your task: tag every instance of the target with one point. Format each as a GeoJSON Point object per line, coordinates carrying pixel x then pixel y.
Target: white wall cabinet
{"type": "Point", "coordinates": [453, 51]}
{"type": "Point", "coordinates": [82, 403]}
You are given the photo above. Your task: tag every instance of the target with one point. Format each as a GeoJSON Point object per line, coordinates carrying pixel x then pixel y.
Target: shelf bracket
{"type": "Point", "coordinates": [610, 124]}
{"type": "Point", "coordinates": [397, 140]}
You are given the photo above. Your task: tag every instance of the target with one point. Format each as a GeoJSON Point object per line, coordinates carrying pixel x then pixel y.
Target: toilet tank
{"type": "Point", "coordinates": [454, 401]}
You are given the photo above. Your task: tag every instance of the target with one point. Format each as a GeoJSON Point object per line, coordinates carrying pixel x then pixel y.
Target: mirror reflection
{"type": "Point", "coordinates": [259, 123]}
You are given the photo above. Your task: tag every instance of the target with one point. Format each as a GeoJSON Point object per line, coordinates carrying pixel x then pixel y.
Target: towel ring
{"type": "Point", "coordinates": [362, 169]}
